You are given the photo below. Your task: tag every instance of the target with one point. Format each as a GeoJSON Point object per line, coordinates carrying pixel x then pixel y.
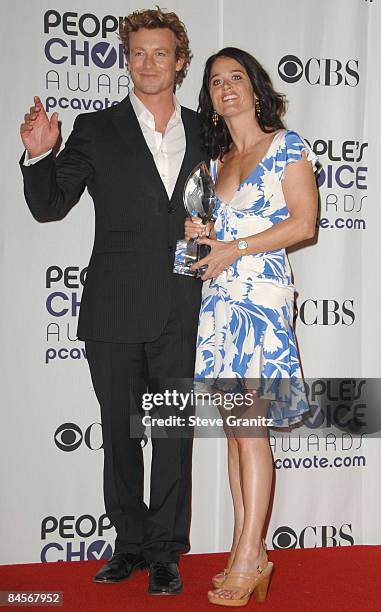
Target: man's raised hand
{"type": "Point", "coordinates": [39, 133]}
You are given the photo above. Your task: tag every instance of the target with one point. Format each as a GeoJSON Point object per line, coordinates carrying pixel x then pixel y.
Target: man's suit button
{"type": "Point", "coordinates": [170, 249]}
{"type": "Point", "coordinates": [171, 210]}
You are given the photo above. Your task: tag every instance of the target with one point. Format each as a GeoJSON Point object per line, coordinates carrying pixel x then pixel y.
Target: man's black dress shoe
{"type": "Point", "coordinates": [120, 567]}
{"type": "Point", "coordinates": [164, 579]}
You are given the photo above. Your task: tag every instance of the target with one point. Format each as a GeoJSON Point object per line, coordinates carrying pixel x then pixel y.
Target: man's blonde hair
{"type": "Point", "coordinates": [156, 18]}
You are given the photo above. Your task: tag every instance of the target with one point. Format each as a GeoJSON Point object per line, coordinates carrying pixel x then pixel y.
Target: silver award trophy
{"type": "Point", "coordinates": [199, 200]}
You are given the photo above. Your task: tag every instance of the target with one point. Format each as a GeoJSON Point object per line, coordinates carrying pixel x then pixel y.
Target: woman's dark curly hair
{"type": "Point", "coordinates": [217, 139]}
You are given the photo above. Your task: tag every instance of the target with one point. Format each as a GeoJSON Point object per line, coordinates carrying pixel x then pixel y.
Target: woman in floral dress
{"type": "Point", "coordinates": [267, 201]}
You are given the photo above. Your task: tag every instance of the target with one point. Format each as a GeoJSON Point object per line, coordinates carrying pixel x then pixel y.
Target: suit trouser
{"type": "Point", "coordinates": [121, 373]}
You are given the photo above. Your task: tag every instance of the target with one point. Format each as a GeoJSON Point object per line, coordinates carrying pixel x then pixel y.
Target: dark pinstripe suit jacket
{"type": "Point", "coordinates": [130, 288]}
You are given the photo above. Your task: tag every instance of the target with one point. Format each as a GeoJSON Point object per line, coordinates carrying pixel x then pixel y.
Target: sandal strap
{"type": "Point", "coordinates": [250, 575]}
{"type": "Point", "coordinates": [241, 581]}
{"type": "Point", "coordinates": [262, 569]}
{"type": "Point", "coordinates": [238, 581]}
{"type": "Point", "coordinates": [243, 575]}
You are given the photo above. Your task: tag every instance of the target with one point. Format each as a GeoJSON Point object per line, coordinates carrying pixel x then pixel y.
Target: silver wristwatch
{"type": "Point", "coordinates": [242, 247]}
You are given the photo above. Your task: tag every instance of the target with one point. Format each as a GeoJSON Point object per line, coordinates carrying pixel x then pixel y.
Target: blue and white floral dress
{"type": "Point", "coordinates": [246, 320]}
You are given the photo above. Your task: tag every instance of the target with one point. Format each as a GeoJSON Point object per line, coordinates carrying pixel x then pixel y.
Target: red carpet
{"type": "Point", "coordinates": [324, 580]}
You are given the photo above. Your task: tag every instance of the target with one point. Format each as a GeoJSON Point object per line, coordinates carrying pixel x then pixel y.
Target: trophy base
{"type": "Point", "coordinates": [187, 253]}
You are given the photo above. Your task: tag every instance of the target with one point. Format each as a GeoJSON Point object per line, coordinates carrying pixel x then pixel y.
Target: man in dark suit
{"type": "Point", "coordinates": [138, 319]}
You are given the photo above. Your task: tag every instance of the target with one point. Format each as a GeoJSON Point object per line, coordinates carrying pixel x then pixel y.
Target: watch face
{"type": "Point", "coordinates": [242, 244]}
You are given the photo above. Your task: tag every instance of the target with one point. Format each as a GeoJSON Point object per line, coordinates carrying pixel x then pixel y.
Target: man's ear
{"type": "Point", "coordinates": [180, 63]}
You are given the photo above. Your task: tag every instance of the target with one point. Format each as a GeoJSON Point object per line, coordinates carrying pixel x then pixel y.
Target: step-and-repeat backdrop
{"type": "Point", "coordinates": [325, 57]}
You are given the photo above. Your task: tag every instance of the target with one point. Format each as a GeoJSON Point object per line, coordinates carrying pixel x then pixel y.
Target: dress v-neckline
{"type": "Point", "coordinates": [265, 156]}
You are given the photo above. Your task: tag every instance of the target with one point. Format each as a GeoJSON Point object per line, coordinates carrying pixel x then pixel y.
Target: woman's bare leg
{"type": "Point", "coordinates": [236, 492]}
{"type": "Point", "coordinates": [256, 473]}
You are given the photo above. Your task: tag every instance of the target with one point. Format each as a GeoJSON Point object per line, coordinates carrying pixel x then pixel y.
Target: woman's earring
{"type": "Point", "coordinates": [215, 118]}
{"type": "Point", "coordinates": [257, 108]}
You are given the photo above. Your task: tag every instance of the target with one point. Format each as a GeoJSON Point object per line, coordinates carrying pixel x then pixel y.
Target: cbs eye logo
{"type": "Point", "coordinates": [290, 69]}
{"type": "Point", "coordinates": [285, 537]}
{"type": "Point", "coordinates": [69, 437]}
{"type": "Point", "coordinates": [329, 72]}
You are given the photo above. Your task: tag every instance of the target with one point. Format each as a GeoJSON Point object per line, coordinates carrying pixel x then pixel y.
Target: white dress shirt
{"type": "Point", "coordinates": [167, 149]}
